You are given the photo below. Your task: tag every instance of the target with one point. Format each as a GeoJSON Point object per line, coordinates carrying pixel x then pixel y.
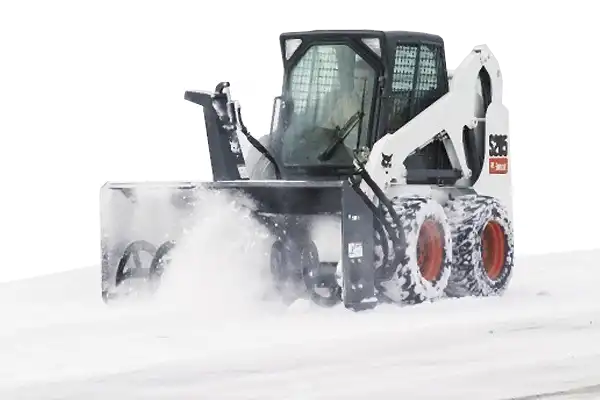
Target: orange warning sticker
{"type": "Point", "coordinates": [498, 165]}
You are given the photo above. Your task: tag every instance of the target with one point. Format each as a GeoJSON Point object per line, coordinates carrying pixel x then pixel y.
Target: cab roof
{"type": "Point", "coordinates": [391, 36]}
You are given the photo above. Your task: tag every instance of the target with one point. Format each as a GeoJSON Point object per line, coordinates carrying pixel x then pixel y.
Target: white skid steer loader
{"type": "Point", "coordinates": [372, 130]}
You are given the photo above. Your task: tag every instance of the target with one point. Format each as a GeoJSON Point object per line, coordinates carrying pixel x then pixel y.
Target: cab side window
{"type": "Point", "coordinates": [418, 80]}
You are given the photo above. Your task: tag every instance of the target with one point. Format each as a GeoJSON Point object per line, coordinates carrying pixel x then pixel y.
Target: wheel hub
{"type": "Point", "coordinates": [430, 250]}
{"type": "Point", "coordinates": [493, 249]}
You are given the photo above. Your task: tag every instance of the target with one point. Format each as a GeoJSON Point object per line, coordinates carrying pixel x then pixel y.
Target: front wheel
{"type": "Point", "coordinates": [422, 272]}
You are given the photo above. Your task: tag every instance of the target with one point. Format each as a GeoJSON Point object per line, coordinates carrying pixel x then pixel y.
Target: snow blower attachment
{"type": "Point", "coordinates": [409, 160]}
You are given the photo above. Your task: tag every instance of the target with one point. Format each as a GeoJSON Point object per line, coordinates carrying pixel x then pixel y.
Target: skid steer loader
{"type": "Point", "coordinates": [410, 159]}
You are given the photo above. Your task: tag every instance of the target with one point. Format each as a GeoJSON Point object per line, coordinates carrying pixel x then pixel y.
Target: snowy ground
{"type": "Point", "coordinates": [59, 341]}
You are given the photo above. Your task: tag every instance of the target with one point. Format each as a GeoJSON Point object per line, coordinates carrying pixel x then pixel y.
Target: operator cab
{"type": "Point", "coordinates": [343, 90]}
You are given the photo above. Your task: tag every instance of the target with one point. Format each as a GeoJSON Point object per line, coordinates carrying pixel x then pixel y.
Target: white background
{"type": "Point", "coordinates": [93, 91]}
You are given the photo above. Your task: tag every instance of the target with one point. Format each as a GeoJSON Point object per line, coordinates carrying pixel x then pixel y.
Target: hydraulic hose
{"type": "Point", "coordinates": [396, 235]}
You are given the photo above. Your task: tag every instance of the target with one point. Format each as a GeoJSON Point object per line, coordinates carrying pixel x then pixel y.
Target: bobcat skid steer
{"type": "Point", "coordinates": [371, 131]}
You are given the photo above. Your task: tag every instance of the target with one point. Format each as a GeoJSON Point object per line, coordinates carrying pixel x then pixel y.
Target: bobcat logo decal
{"type": "Point", "coordinates": [386, 160]}
{"type": "Point", "coordinates": [498, 146]}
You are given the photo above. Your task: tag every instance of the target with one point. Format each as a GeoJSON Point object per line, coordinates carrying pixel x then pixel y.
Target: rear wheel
{"type": "Point", "coordinates": [422, 272]}
{"type": "Point", "coordinates": [483, 246]}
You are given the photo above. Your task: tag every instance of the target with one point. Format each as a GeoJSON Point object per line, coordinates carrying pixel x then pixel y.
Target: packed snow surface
{"type": "Point", "coordinates": [215, 338]}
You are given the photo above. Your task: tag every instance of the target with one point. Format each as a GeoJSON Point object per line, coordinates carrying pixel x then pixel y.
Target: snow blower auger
{"type": "Point", "coordinates": [410, 160]}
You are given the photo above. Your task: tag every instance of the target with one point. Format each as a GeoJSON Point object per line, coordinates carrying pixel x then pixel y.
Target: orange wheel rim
{"type": "Point", "coordinates": [494, 246]}
{"type": "Point", "coordinates": [430, 250]}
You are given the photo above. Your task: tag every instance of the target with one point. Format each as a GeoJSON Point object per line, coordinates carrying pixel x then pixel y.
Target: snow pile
{"type": "Point", "coordinates": [60, 341]}
{"type": "Point", "coordinates": [221, 263]}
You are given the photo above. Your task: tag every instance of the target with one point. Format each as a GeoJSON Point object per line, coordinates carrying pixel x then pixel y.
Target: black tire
{"type": "Point", "coordinates": [477, 221]}
{"type": "Point", "coordinates": [410, 282]}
